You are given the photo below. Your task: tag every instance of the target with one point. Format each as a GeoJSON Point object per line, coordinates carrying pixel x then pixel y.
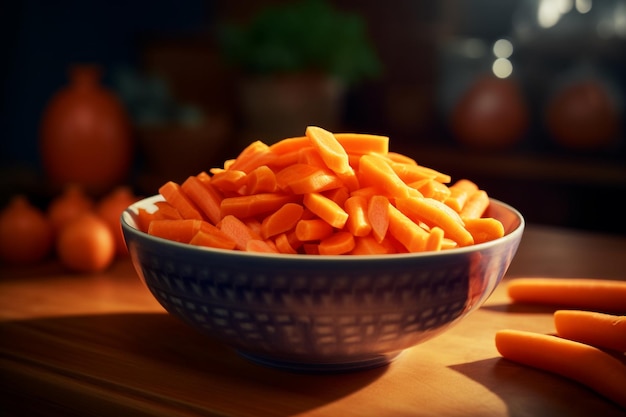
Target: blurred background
{"type": "Point", "coordinates": [524, 97]}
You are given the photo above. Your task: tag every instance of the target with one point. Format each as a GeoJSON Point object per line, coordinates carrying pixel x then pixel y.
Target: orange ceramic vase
{"type": "Point", "coordinates": [86, 135]}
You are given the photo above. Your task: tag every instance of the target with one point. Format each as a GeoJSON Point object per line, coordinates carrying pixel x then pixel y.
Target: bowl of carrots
{"type": "Point", "coordinates": [324, 252]}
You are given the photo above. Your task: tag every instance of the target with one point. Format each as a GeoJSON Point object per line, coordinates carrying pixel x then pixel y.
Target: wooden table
{"type": "Point", "coordinates": [100, 345]}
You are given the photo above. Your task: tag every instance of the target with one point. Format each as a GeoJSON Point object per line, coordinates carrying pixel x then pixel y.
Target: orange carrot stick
{"type": "Point", "coordinates": [406, 231]}
{"type": "Point", "coordinates": [282, 220]}
{"type": "Point", "coordinates": [334, 155]}
{"type": "Point", "coordinates": [212, 237]}
{"type": "Point", "coordinates": [261, 180]}
{"type": "Point", "coordinates": [255, 204]}
{"type": "Point", "coordinates": [284, 245]}
{"type": "Point", "coordinates": [596, 329]}
{"type": "Point", "coordinates": [435, 239]}
{"type": "Point", "coordinates": [337, 244]}
{"type": "Point", "coordinates": [253, 156]}
{"type": "Point", "coordinates": [361, 143]}
{"type": "Point", "coordinates": [475, 206]}
{"type": "Point", "coordinates": [174, 195]}
{"type": "Point", "coordinates": [231, 180]}
{"type": "Point", "coordinates": [580, 362]}
{"type": "Point", "coordinates": [434, 189]}
{"type": "Point", "coordinates": [367, 245]}
{"type": "Point", "coordinates": [305, 178]}
{"type": "Point", "coordinates": [204, 196]}
{"type": "Point", "coordinates": [582, 293]}
{"type": "Point", "coordinates": [177, 230]}
{"type": "Point", "coordinates": [357, 224]}
{"type": "Point", "coordinates": [313, 229]}
{"type": "Point", "coordinates": [435, 213]}
{"type": "Point", "coordinates": [238, 231]}
{"type": "Point", "coordinates": [326, 209]}
{"type": "Point", "coordinates": [484, 229]}
{"type": "Point", "coordinates": [255, 245]}
{"type": "Point", "coordinates": [375, 170]}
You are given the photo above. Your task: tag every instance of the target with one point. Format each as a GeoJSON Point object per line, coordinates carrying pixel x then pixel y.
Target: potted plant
{"type": "Point", "coordinates": [295, 60]}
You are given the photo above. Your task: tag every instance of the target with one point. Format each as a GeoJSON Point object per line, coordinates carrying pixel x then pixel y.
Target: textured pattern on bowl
{"type": "Point", "coordinates": [320, 313]}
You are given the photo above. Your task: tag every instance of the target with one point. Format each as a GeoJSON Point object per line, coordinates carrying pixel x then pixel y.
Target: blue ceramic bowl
{"type": "Point", "coordinates": [320, 313]}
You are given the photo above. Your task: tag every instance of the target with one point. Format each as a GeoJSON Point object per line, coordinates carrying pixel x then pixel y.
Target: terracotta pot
{"type": "Point", "coordinates": [85, 135]}
{"type": "Point", "coordinates": [277, 107]}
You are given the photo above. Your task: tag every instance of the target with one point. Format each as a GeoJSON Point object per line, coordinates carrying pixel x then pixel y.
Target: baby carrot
{"type": "Point", "coordinates": [334, 155]}
{"type": "Point", "coordinates": [255, 204]}
{"type": "Point", "coordinates": [582, 293]}
{"type": "Point", "coordinates": [361, 143]}
{"type": "Point", "coordinates": [177, 230]}
{"type": "Point", "coordinates": [204, 196]}
{"type": "Point", "coordinates": [173, 194]}
{"type": "Point", "coordinates": [282, 220]}
{"type": "Point", "coordinates": [261, 180]}
{"type": "Point", "coordinates": [231, 180]}
{"type": "Point", "coordinates": [435, 213]}
{"type": "Point", "coordinates": [484, 229]}
{"type": "Point", "coordinates": [406, 231]}
{"type": "Point", "coordinates": [585, 364]}
{"type": "Point", "coordinates": [435, 239]}
{"type": "Point", "coordinates": [212, 237]}
{"type": "Point", "coordinates": [256, 245]}
{"type": "Point", "coordinates": [238, 231]}
{"type": "Point", "coordinates": [313, 229]}
{"type": "Point", "coordinates": [326, 209]}
{"type": "Point", "coordinates": [375, 170]}
{"type": "Point", "coordinates": [596, 329]}
{"type": "Point", "coordinates": [253, 156]}
{"type": "Point", "coordinates": [284, 245]}
{"type": "Point", "coordinates": [337, 244]}
{"type": "Point", "coordinates": [475, 206]}
{"type": "Point", "coordinates": [357, 224]}
{"type": "Point", "coordinates": [305, 178]}
{"type": "Point", "coordinates": [367, 245]}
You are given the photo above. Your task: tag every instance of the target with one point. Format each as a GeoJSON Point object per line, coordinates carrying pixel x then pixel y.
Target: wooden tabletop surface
{"type": "Point", "coordinates": [100, 345]}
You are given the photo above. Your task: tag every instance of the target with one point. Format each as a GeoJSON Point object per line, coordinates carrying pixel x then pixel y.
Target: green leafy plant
{"type": "Point", "coordinates": [308, 35]}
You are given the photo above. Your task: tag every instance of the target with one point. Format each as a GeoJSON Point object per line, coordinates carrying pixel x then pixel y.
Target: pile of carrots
{"type": "Point", "coordinates": [82, 232]}
{"type": "Point", "coordinates": [590, 332]}
{"type": "Point", "coordinates": [322, 193]}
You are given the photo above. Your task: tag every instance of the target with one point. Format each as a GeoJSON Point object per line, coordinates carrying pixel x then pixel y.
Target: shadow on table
{"type": "Point", "coordinates": [175, 359]}
{"type": "Point", "coordinates": [530, 392]}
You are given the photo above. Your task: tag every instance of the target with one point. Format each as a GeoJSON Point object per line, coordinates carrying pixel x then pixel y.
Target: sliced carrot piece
{"type": "Point", "coordinates": [358, 223]}
{"type": "Point", "coordinates": [583, 293]}
{"type": "Point", "coordinates": [338, 243]}
{"type": "Point", "coordinates": [410, 173]}
{"type": "Point", "coordinates": [362, 143]}
{"type": "Point", "coordinates": [435, 239]}
{"type": "Point", "coordinates": [212, 238]}
{"type": "Point", "coordinates": [375, 170]}
{"type": "Point", "coordinates": [457, 198]}
{"type": "Point", "coordinates": [326, 209]}
{"type": "Point", "coordinates": [484, 229]}
{"type": "Point", "coordinates": [253, 156]}
{"type": "Point", "coordinates": [435, 213]}
{"type": "Point", "coordinates": [255, 204]}
{"type": "Point", "coordinates": [312, 230]}
{"type": "Point", "coordinates": [238, 231]}
{"type": "Point", "coordinates": [174, 195]}
{"type": "Point", "coordinates": [401, 158]}
{"type": "Point", "coordinates": [367, 245]}
{"type": "Point", "coordinates": [231, 180]}
{"type": "Point", "coordinates": [334, 155]}
{"type": "Point", "coordinates": [289, 145]}
{"type": "Point", "coordinates": [601, 330]}
{"type": "Point", "coordinates": [143, 219]}
{"type": "Point", "coordinates": [282, 220]}
{"type": "Point", "coordinates": [166, 211]}
{"type": "Point", "coordinates": [475, 206]}
{"type": "Point", "coordinates": [304, 178]}
{"type": "Point", "coordinates": [261, 180]}
{"type": "Point", "coordinates": [310, 155]}
{"type": "Point", "coordinates": [204, 196]}
{"type": "Point", "coordinates": [466, 185]}
{"type": "Point", "coordinates": [433, 189]}
{"type": "Point", "coordinates": [585, 364]}
{"type": "Point", "coordinates": [255, 245]}
{"type": "Point", "coordinates": [283, 244]}
{"type": "Point", "coordinates": [378, 216]}
{"type": "Point", "coordinates": [406, 231]}
{"type": "Point", "coordinates": [338, 195]}
{"type": "Point", "coordinates": [181, 230]}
